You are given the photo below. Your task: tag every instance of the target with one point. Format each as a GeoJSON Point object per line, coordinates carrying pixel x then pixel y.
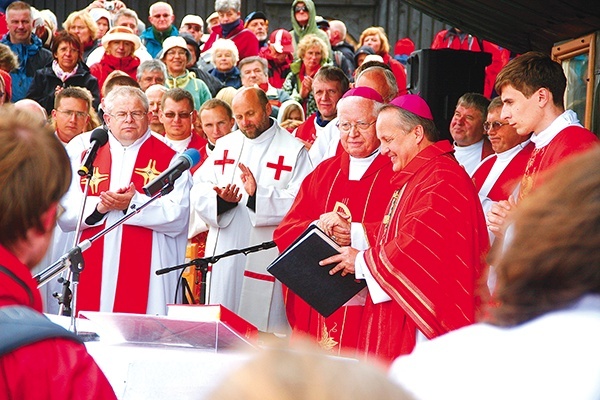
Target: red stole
{"type": "Point", "coordinates": [506, 182]}
{"type": "Point", "coordinates": [198, 143]}
{"type": "Point", "coordinates": [307, 130]}
{"type": "Point", "coordinates": [133, 280]}
{"type": "Point", "coordinates": [570, 141]}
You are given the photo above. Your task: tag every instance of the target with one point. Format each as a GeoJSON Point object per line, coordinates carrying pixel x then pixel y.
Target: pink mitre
{"type": "Point", "coordinates": [364, 92]}
{"type": "Point", "coordinates": [413, 103]}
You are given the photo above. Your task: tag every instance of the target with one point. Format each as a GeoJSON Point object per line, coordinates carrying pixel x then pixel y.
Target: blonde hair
{"type": "Point", "coordinates": [309, 41]}
{"type": "Point", "coordinates": [227, 94]}
{"type": "Point", "coordinates": [303, 373]}
{"type": "Point", "coordinates": [86, 18]}
{"type": "Point", "coordinates": [376, 31]}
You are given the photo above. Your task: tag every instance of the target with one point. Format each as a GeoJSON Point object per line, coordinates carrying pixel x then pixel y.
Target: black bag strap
{"type": "Point", "coordinates": [21, 325]}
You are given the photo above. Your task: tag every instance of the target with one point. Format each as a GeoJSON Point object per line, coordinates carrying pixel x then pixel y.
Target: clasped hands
{"type": "Point", "coordinates": [231, 193]}
{"type": "Point", "coordinates": [116, 201]}
{"type": "Point", "coordinates": [337, 225]}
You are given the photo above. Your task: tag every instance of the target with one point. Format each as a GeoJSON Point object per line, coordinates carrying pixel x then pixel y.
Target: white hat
{"type": "Point", "coordinates": [121, 33]}
{"type": "Point", "coordinates": [97, 13]}
{"type": "Point", "coordinates": [193, 19]}
{"type": "Point", "coordinates": [174, 41]}
{"type": "Point", "coordinates": [373, 57]}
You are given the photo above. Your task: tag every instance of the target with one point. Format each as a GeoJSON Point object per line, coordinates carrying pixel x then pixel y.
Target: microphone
{"type": "Point", "coordinates": [185, 161]}
{"type": "Point", "coordinates": [98, 139]}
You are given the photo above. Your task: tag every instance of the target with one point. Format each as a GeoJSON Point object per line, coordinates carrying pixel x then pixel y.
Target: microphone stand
{"type": "Point", "coordinates": [73, 259]}
{"type": "Point", "coordinates": [66, 295]}
{"type": "Point", "coordinates": [201, 264]}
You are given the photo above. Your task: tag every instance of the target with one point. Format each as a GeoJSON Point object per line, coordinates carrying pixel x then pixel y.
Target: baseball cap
{"type": "Point", "coordinates": [282, 41]}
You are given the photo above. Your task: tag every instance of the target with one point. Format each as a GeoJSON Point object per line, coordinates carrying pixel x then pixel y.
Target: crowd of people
{"type": "Point", "coordinates": [293, 131]}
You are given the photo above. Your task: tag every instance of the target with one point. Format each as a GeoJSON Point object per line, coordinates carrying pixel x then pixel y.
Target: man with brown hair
{"type": "Point", "coordinates": [34, 168]}
{"type": "Point", "coordinates": [532, 88]}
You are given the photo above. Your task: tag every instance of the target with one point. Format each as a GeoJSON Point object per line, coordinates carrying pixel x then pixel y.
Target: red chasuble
{"type": "Point", "coordinates": [508, 179]}
{"type": "Point", "coordinates": [366, 200]}
{"type": "Point", "coordinates": [429, 256]}
{"type": "Point", "coordinates": [134, 262]}
{"type": "Point", "coordinates": [570, 141]}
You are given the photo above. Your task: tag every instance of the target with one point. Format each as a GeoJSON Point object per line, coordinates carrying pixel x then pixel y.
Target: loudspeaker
{"type": "Point", "coordinates": [442, 76]}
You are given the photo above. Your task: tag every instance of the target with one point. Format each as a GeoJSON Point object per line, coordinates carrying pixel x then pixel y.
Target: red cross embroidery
{"type": "Point", "coordinates": [279, 167]}
{"type": "Point", "coordinates": [224, 161]}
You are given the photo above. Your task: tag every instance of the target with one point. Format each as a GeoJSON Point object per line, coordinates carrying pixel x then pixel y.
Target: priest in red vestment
{"type": "Point", "coordinates": [346, 195]}
{"type": "Point", "coordinates": [532, 88]}
{"type": "Point", "coordinates": [425, 272]}
{"type": "Point", "coordinates": [497, 176]}
{"type": "Point", "coordinates": [120, 267]}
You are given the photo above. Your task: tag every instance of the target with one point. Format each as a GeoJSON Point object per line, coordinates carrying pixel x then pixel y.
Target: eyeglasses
{"type": "Point", "coordinates": [173, 53]}
{"type": "Point", "coordinates": [122, 115]}
{"type": "Point", "coordinates": [300, 9]}
{"type": "Point", "coordinates": [487, 126]}
{"type": "Point", "coordinates": [181, 115]}
{"type": "Point", "coordinates": [157, 16]}
{"type": "Point", "coordinates": [195, 28]}
{"type": "Point", "coordinates": [360, 125]}
{"type": "Point", "coordinates": [77, 114]}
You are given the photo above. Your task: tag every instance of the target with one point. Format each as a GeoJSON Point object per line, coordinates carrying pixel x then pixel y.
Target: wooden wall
{"type": "Point", "coordinates": [399, 19]}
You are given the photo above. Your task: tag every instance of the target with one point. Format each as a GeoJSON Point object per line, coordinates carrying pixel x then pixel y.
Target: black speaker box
{"type": "Point", "coordinates": [442, 76]}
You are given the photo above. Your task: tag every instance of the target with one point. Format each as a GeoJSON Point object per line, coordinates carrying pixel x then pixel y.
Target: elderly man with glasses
{"type": "Point", "coordinates": [161, 19]}
{"type": "Point", "coordinates": [500, 173]}
{"type": "Point", "coordinates": [119, 268]}
{"type": "Point", "coordinates": [347, 195]}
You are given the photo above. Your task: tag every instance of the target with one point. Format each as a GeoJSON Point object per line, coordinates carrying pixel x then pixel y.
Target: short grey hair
{"type": "Point", "coordinates": [226, 5]}
{"type": "Point", "coordinates": [253, 59]}
{"type": "Point", "coordinates": [153, 65]}
{"type": "Point", "coordinates": [121, 93]}
{"type": "Point", "coordinates": [161, 3]}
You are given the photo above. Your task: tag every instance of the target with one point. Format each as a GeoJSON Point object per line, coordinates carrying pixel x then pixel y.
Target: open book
{"type": "Point", "coordinates": [298, 268]}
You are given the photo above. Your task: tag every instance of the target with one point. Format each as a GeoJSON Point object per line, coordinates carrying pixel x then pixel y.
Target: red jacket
{"type": "Point", "coordinates": [48, 369]}
{"type": "Point", "coordinates": [109, 63]}
{"type": "Point", "coordinates": [244, 39]}
{"type": "Point", "coordinates": [398, 71]}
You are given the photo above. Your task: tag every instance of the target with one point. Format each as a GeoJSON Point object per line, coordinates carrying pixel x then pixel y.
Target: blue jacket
{"type": "Point", "coordinates": [32, 57]}
{"type": "Point", "coordinates": [152, 45]}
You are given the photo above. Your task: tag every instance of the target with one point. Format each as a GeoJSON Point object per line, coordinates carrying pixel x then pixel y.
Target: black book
{"type": "Point", "coordinates": [298, 268]}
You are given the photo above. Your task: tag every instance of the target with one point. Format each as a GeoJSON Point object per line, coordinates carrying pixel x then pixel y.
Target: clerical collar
{"type": "Point", "coordinates": [358, 166]}
{"type": "Point", "coordinates": [509, 154]}
{"type": "Point", "coordinates": [566, 119]}
{"type": "Point", "coordinates": [211, 146]}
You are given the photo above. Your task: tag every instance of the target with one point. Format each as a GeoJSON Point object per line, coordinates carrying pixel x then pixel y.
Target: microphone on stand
{"type": "Point", "coordinates": [98, 139]}
{"type": "Point", "coordinates": [185, 161]}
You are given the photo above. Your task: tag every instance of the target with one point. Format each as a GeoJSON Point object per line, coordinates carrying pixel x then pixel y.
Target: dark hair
{"type": "Point", "coordinates": [531, 71]}
{"type": "Point", "coordinates": [64, 36]}
{"type": "Point", "coordinates": [553, 258]}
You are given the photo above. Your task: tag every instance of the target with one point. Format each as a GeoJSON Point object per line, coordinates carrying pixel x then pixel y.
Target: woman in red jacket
{"type": "Point", "coordinates": [376, 38]}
